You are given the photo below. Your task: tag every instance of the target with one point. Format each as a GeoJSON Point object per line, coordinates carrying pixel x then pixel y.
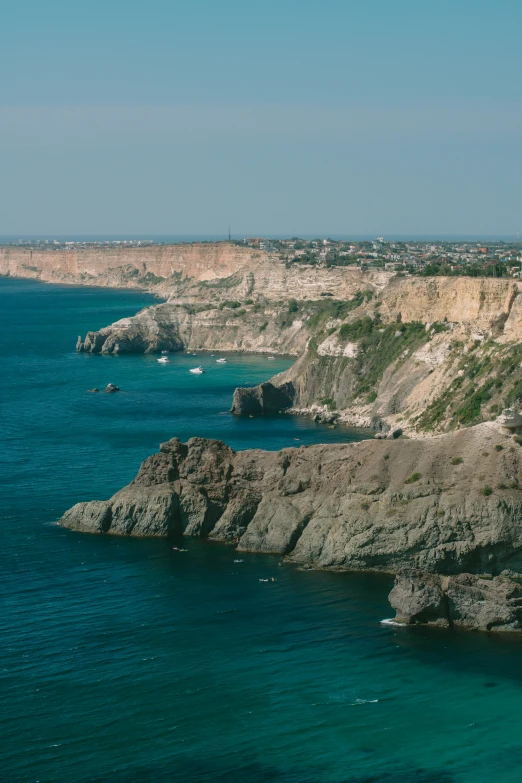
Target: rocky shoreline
{"type": "Point", "coordinates": [417, 357]}
{"type": "Point", "coordinates": [443, 506]}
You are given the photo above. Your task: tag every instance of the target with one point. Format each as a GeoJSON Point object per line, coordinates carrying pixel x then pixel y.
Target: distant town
{"type": "Point", "coordinates": [476, 259]}
{"type": "Point", "coordinates": [496, 259]}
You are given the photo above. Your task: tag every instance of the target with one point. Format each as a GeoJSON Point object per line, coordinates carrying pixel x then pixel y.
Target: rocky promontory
{"type": "Point", "coordinates": [447, 505]}
{"type": "Point", "coordinates": [466, 600]}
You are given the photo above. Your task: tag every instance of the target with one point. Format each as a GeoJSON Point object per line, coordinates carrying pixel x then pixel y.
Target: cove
{"type": "Point", "coordinates": [124, 660]}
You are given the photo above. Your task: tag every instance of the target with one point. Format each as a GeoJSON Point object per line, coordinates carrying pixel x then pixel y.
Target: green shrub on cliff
{"type": "Point", "coordinates": [232, 303]}
{"type": "Point", "coordinates": [469, 411]}
{"type": "Point", "coordinates": [150, 277]}
{"type": "Point", "coordinates": [379, 346]}
{"type": "Point", "coordinates": [326, 309]}
{"type": "Point", "coordinates": [329, 402]}
{"type": "Point", "coordinates": [223, 282]}
{"type": "Point", "coordinates": [357, 329]}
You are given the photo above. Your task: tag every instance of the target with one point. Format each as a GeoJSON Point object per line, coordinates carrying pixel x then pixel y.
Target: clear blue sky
{"type": "Point", "coordinates": [285, 117]}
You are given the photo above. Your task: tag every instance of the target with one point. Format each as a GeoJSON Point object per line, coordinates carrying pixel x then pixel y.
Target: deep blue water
{"type": "Point", "coordinates": [123, 660]}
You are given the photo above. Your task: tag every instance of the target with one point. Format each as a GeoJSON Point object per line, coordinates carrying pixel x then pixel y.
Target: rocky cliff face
{"type": "Point", "coordinates": [177, 326]}
{"type": "Point", "coordinates": [390, 362]}
{"type": "Point", "coordinates": [467, 600]}
{"type": "Point", "coordinates": [423, 354]}
{"type": "Point", "coordinates": [162, 268]}
{"type": "Point", "coordinates": [446, 505]}
{"type": "Point", "coordinates": [198, 272]}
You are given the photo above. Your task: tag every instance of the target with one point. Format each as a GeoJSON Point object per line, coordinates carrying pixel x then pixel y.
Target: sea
{"type": "Point", "coordinates": [126, 661]}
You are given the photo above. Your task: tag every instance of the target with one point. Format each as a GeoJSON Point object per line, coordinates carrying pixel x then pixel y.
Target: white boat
{"type": "Point", "coordinates": [270, 358]}
{"type": "Point", "coordinates": [163, 360]}
{"type": "Point", "coordinates": [164, 352]}
{"type": "Point", "coordinates": [197, 370]}
{"type": "Point", "coordinates": [221, 361]}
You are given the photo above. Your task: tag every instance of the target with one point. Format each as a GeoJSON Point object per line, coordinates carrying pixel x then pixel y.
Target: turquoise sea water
{"type": "Point", "coordinates": [123, 660]}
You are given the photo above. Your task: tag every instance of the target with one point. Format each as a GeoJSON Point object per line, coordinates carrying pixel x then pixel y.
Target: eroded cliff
{"type": "Point", "coordinates": [447, 505]}
{"type": "Point", "coordinates": [425, 354]}
{"type": "Point", "coordinates": [162, 268]}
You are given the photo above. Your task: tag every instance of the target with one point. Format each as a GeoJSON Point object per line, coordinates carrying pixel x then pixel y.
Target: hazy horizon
{"type": "Point", "coordinates": [181, 238]}
{"type": "Point", "coordinates": [178, 118]}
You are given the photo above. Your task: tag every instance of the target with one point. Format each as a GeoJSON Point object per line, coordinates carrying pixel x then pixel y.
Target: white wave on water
{"type": "Point", "coordinates": [363, 701]}
{"type": "Point", "coordinates": [391, 621]}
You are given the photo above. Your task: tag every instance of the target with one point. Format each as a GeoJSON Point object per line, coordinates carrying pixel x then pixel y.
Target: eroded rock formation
{"type": "Point", "coordinates": [467, 600]}
{"type": "Point", "coordinates": [423, 354]}
{"type": "Point", "coordinates": [448, 505]}
{"type": "Point", "coordinates": [264, 398]}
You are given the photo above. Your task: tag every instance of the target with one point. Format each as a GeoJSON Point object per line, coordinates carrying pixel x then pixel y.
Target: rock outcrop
{"type": "Point", "coordinates": [264, 398]}
{"type": "Point", "coordinates": [466, 600]}
{"type": "Point", "coordinates": [448, 505]}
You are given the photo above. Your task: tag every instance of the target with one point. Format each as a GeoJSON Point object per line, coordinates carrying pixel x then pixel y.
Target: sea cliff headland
{"type": "Point", "coordinates": [447, 506]}
{"type": "Point", "coordinates": [427, 363]}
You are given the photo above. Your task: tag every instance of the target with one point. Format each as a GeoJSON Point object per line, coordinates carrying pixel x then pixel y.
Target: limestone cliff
{"type": "Point", "coordinates": [177, 325]}
{"type": "Point", "coordinates": [423, 354]}
{"type": "Point", "coordinates": [196, 272]}
{"type": "Point", "coordinates": [162, 268]}
{"type": "Point", "coordinates": [448, 504]}
{"type": "Point", "coordinates": [426, 355]}
{"type": "Point", "coordinates": [374, 349]}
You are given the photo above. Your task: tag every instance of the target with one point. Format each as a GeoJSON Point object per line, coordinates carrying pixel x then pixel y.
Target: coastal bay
{"type": "Point", "coordinates": [107, 661]}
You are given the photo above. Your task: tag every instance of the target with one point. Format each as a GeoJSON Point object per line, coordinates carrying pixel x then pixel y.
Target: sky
{"type": "Point", "coordinates": [280, 118]}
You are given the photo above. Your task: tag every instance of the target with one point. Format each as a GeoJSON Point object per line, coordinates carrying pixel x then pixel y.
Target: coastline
{"type": "Point", "coordinates": [389, 506]}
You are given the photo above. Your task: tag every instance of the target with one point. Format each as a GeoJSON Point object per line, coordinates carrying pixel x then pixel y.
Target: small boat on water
{"type": "Point", "coordinates": [270, 358]}
{"type": "Point", "coordinates": [163, 360]}
{"type": "Point", "coordinates": [164, 352]}
{"type": "Point", "coordinates": [221, 361]}
{"type": "Point", "coordinates": [197, 370]}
